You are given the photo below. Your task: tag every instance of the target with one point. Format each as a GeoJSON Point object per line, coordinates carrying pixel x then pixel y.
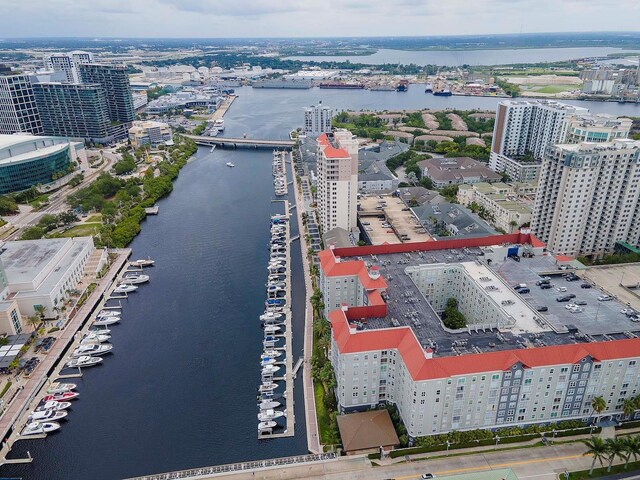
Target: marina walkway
{"type": "Point", "coordinates": [311, 419]}
{"type": "Point", "coordinates": [15, 416]}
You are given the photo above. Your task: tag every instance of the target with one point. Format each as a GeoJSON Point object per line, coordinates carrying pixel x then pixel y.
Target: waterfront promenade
{"type": "Point", "coordinates": [15, 415]}
{"type": "Point", "coordinates": [311, 418]}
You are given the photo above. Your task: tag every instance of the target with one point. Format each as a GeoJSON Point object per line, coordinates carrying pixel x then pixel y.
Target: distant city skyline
{"type": "Point", "coordinates": [309, 18]}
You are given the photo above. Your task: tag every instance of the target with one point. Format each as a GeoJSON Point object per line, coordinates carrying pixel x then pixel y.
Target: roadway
{"type": "Point", "coordinates": [541, 463]}
{"type": "Point", "coordinates": [202, 140]}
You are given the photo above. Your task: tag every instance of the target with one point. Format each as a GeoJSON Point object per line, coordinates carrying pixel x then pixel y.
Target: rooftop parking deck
{"type": "Point", "coordinates": [408, 307]}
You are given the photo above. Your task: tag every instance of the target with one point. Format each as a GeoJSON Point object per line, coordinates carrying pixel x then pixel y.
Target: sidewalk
{"type": "Point", "coordinates": [313, 440]}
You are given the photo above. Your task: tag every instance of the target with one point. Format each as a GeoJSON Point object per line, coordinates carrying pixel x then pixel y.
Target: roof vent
{"type": "Point", "coordinates": [428, 353]}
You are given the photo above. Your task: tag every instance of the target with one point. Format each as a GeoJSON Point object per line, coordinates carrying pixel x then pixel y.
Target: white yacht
{"type": "Point", "coordinates": [91, 338]}
{"type": "Point", "coordinates": [219, 125]}
{"type": "Point", "coordinates": [267, 425]}
{"type": "Point", "coordinates": [271, 328]}
{"type": "Point", "coordinates": [135, 279]}
{"type": "Point", "coordinates": [271, 354]}
{"type": "Point", "coordinates": [36, 428]}
{"type": "Point", "coordinates": [270, 316]}
{"type": "Point", "coordinates": [55, 406]}
{"type": "Point", "coordinates": [102, 322]}
{"type": "Point", "coordinates": [124, 288]}
{"type": "Point", "coordinates": [269, 415]}
{"type": "Point", "coordinates": [84, 361]}
{"type": "Point", "coordinates": [267, 387]}
{"type": "Point", "coordinates": [229, 164]}
{"type": "Point", "coordinates": [58, 387]}
{"type": "Point", "coordinates": [268, 404]}
{"type": "Point", "coordinates": [92, 349]}
{"type": "Point", "coordinates": [270, 369]}
{"type": "Point", "coordinates": [142, 262]}
{"type": "Point", "coordinates": [47, 416]}
{"type": "Point", "coordinates": [108, 313]}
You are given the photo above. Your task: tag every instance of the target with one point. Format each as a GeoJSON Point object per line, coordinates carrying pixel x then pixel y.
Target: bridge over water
{"type": "Point", "coordinates": [241, 142]}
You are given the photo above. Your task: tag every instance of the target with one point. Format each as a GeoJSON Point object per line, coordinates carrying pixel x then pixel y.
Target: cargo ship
{"type": "Point", "coordinates": [402, 86]}
{"type": "Point", "coordinates": [351, 86]}
{"type": "Point", "coordinates": [282, 83]}
{"type": "Point", "coordinates": [443, 93]}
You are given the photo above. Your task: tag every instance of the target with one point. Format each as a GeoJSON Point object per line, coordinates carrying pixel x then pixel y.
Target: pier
{"type": "Point", "coordinates": [241, 142]}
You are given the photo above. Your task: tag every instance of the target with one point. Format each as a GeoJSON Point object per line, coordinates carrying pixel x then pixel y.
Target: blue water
{"type": "Point", "coordinates": [179, 390]}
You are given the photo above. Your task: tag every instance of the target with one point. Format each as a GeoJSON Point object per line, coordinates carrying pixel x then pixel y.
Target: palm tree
{"type": "Point", "coordinates": [631, 447]}
{"type": "Point", "coordinates": [628, 407]}
{"type": "Point", "coordinates": [597, 449]}
{"type": "Point", "coordinates": [598, 405]}
{"type": "Point", "coordinates": [40, 310]}
{"type": "Point", "coordinates": [34, 321]}
{"type": "Point", "coordinates": [615, 448]}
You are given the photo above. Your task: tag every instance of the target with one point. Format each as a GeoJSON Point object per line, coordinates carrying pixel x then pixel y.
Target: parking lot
{"type": "Point", "coordinates": [401, 222]}
{"type": "Point", "coordinates": [611, 276]}
{"type": "Point", "coordinates": [596, 317]}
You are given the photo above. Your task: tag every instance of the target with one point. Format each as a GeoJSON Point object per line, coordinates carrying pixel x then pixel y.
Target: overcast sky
{"type": "Point", "coordinates": [310, 18]}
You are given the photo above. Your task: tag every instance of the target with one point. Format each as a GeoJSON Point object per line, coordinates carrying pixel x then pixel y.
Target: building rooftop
{"type": "Point", "coordinates": [450, 219]}
{"type": "Point", "coordinates": [585, 147]}
{"type": "Point", "coordinates": [365, 430]}
{"type": "Point", "coordinates": [406, 305]}
{"type": "Point", "coordinates": [457, 169]}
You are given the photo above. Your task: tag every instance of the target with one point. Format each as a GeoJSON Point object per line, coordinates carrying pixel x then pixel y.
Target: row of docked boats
{"type": "Point", "coordinates": [45, 418]}
{"type": "Point", "coordinates": [279, 173]}
{"type": "Point", "coordinates": [272, 362]}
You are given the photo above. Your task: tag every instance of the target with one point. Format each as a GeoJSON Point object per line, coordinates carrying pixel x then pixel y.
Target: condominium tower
{"type": "Point", "coordinates": [317, 120]}
{"type": "Point", "coordinates": [18, 111]}
{"type": "Point", "coordinates": [337, 165]}
{"type": "Point", "coordinates": [68, 63]}
{"type": "Point", "coordinates": [115, 82]}
{"type": "Point", "coordinates": [588, 197]}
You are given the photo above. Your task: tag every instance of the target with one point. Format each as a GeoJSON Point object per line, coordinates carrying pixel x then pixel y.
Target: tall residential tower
{"type": "Point", "coordinates": [317, 120]}
{"type": "Point", "coordinates": [18, 111]}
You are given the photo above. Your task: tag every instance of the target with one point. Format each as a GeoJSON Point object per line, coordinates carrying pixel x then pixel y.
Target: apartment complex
{"type": "Point", "coordinates": [115, 82]}
{"type": "Point", "coordinates": [337, 184]}
{"type": "Point", "coordinates": [18, 110]}
{"type": "Point", "coordinates": [149, 133]}
{"type": "Point", "coordinates": [511, 364]}
{"type": "Point", "coordinates": [74, 110]}
{"type": "Point", "coordinates": [588, 197]}
{"type": "Point", "coordinates": [68, 63]}
{"type": "Point", "coordinates": [456, 171]}
{"type": "Point", "coordinates": [317, 120]}
{"type": "Point", "coordinates": [524, 129]}
{"type": "Point", "coordinates": [500, 202]}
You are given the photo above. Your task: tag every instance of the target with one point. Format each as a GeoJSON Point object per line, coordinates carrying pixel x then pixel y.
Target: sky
{"type": "Point", "coordinates": [309, 18]}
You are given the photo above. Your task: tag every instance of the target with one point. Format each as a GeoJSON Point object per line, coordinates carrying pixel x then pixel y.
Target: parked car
{"type": "Point", "coordinates": [605, 298]}
{"type": "Point", "coordinates": [580, 302]}
{"type": "Point", "coordinates": [426, 476]}
{"type": "Point", "coordinates": [543, 282]}
{"type": "Point", "coordinates": [571, 295]}
{"type": "Point", "coordinates": [585, 285]}
{"type": "Point", "coordinates": [522, 291]}
{"type": "Point", "coordinates": [545, 286]}
{"type": "Point", "coordinates": [562, 289]}
{"type": "Point", "coordinates": [564, 298]}
{"type": "Point", "coordinates": [542, 308]}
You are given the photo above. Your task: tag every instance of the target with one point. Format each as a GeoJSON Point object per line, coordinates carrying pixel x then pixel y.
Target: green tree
{"type": "Point", "coordinates": [598, 405]}
{"type": "Point", "coordinates": [597, 448]}
{"type": "Point", "coordinates": [615, 448]}
{"type": "Point", "coordinates": [7, 206]}
{"type": "Point", "coordinates": [631, 447]}
{"type": "Point", "coordinates": [34, 321]}
{"type": "Point", "coordinates": [32, 233]}
{"type": "Point", "coordinates": [629, 406]}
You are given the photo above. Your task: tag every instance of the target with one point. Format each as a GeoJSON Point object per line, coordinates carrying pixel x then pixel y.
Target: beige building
{"type": "Point", "coordinates": [337, 165]}
{"type": "Point", "coordinates": [500, 202]}
{"type": "Point", "coordinates": [588, 198]}
{"type": "Point", "coordinates": [150, 133]}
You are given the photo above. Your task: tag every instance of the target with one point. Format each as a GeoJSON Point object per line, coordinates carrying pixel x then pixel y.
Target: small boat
{"type": "Point", "coordinates": [124, 288]}
{"type": "Point", "coordinates": [135, 279]}
{"type": "Point", "coordinates": [268, 404]}
{"type": "Point", "coordinates": [108, 313]}
{"type": "Point", "coordinates": [267, 387]}
{"type": "Point", "coordinates": [47, 416]}
{"type": "Point", "coordinates": [94, 338]}
{"type": "Point", "coordinates": [91, 349]}
{"type": "Point", "coordinates": [267, 361]}
{"type": "Point", "coordinates": [142, 262]}
{"type": "Point", "coordinates": [229, 164]}
{"type": "Point", "coordinates": [55, 406]}
{"type": "Point", "coordinates": [100, 331]}
{"type": "Point", "coordinates": [101, 322]}
{"type": "Point", "coordinates": [58, 387]}
{"type": "Point", "coordinates": [270, 369]}
{"type": "Point", "coordinates": [269, 415]}
{"type": "Point", "coordinates": [36, 428]}
{"type": "Point", "coordinates": [429, 88]}
{"type": "Point", "coordinates": [84, 361]}
{"type": "Point", "coordinates": [267, 425]}
{"type": "Point", "coordinates": [271, 354]}
{"type": "Point", "coordinates": [271, 328]}
{"type": "Point", "coordinates": [270, 316]}
{"type": "Point", "coordinates": [443, 93]}
{"type": "Point", "coordinates": [61, 397]}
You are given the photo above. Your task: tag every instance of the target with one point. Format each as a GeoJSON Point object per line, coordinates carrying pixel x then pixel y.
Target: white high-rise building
{"type": "Point", "coordinates": [588, 197]}
{"type": "Point", "coordinates": [337, 165]}
{"type": "Point", "coordinates": [68, 63]}
{"type": "Point", "coordinates": [18, 110]}
{"type": "Point", "coordinates": [317, 120]}
{"type": "Point", "coordinates": [524, 129]}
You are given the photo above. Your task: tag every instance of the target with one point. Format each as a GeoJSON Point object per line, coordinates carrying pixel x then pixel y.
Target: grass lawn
{"type": "Point", "coordinates": [324, 422]}
{"type": "Point", "coordinates": [602, 471]}
{"type": "Point", "coordinates": [84, 230]}
{"type": "Point", "coordinates": [553, 88]}
{"type": "Point", "coordinates": [97, 218]}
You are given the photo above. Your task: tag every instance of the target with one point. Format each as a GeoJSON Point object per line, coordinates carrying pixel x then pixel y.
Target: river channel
{"type": "Point", "coordinates": [179, 390]}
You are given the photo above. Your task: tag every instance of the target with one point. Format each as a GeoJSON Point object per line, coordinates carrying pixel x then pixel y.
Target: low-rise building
{"type": "Point", "coordinates": [456, 171]}
{"type": "Point", "coordinates": [27, 160]}
{"type": "Point", "coordinates": [519, 169]}
{"type": "Point", "coordinates": [367, 432]}
{"type": "Point", "coordinates": [149, 133]}
{"type": "Point", "coordinates": [499, 204]}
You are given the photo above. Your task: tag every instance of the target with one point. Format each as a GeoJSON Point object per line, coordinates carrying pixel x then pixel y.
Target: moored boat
{"type": "Point", "coordinates": [54, 406]}
{"type": "Point", "coordinates": [84, 361]}
{"type": "Point", "coordinates": [61, 397]}
{"type": "Point", "coordinates": [58, 387]}
{"type": "Point", "coordinates": [271, 414]}
{"type": "Point", "coordinates": [100, 322]}
{"type": "Point", "coordinates": [142, 262]}
{"type": "Point", "coordinates": [47, 416]}
{"type": "Point", "coordinates": [267, 425]}
{"type": "Point", "coordinates": [36, 428]}
{"type": "Point", "coordinates": [91, 349]}
{"type": "Point", "coordinates": [125, 288]}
